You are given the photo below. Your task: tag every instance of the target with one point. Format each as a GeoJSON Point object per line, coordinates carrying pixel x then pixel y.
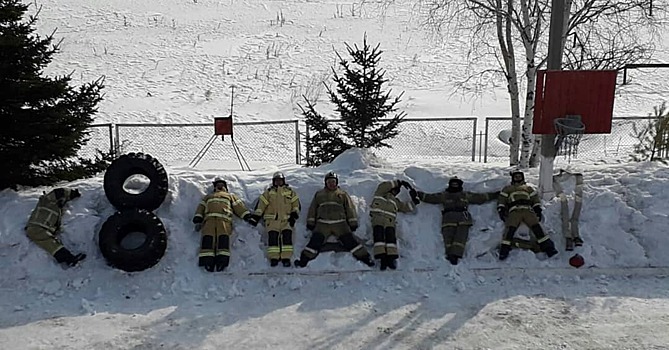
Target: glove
{"type": "Point", "coordinates": [197, 220]}
{"type": "Point", "coordinates": [537, 210]}
{"type": "Point", "coordinates": [405, 184]}
{"type": "Point", "coordinates": [414, 196]}
{"type": "Point", "coordinates": [311, 227]}
{"type": "Point", "coordinates": [353, 227]}
{"type": "Point", "coordinates": [252, 219]}
{"type": "Point", "coordinates": [198, 226]}
{"type": "Point", "coordinates": [503, 213]}
{"type": "Point", "coordinates": [74, 194]}
{"type": "Point", "coordinates": [293, 217]}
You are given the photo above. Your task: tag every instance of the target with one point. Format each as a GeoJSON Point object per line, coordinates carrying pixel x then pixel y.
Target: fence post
{"type": "Point", "coordinates": [306, 144]}
{"type": "Point", "coordinates": [112, 148]}
{"type": "Point", "coordinates": [487, 131]}
{"type": "Point", "coordinates": [297, 142]}
{"type": "Point", "coordinates": [474, 141]}
{"type": "Point", "coordinates": [117, 153]}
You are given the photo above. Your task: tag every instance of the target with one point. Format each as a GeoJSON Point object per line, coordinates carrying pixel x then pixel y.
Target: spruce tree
{"type": "Point", "coordinates": [324, 141]}
{"type": "Point", "coordinates": [653, 137]}
{"type": "Point", "coordinates": [369, 115]}
{"type": "Point", "coordinates": [360, 100]}
{"type": "Point", "coordinates": [44, 119]}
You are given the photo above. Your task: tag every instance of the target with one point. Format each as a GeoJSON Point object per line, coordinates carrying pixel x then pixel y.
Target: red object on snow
{"type": "Point", "coordinates": [576, 261]}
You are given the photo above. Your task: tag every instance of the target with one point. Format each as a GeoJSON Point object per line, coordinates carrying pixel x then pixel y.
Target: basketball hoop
{"type": "Point", "coordinates": [569, 130]}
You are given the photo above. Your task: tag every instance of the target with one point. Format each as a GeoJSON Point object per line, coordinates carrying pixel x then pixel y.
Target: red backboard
{"type": "Point", "coordinates": [588, 93]}
{"type": "Point", "coordinates": [223, 126]}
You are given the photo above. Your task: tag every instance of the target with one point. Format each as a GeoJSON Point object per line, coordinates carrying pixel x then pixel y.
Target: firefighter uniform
{"type": "Point", "coordinates": [279, 207]}
{"type": "Point", "coordinates": [214, 214]}
{"type": "Point", "coordinates": [332, 213]}
{"type": "Point", "coordinates": [44, 224]}
{"type": "Point", "coordinates": [383, 213]}
{"type": "Point", "coordinates": [456, 219]}
{"type": "Point", "coordinates": [519, 203]}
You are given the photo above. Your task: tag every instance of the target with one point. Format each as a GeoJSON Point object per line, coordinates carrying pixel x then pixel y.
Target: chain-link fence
{"type": "Point", "coordinates": [618, 146]}
{"type": "Point", "coordinates": [280, 142]}
{"type": "Point", "coordinates": [100, 137]}
{"type": "Point", "coordinates": [432, 138]}
{"type": "Point", "coordinates": [178, 144]}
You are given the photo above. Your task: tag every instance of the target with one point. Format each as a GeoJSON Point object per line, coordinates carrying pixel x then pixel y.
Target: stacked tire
{"type": "Point", "coordinates": [134, 213]}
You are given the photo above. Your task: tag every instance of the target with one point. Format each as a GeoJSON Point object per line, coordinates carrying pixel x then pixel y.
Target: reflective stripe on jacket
{"type": "Point", "coordinates": [276, 203]}
{"type": "Point", "coordinates": [385, 205]}
{"type": "Point", "coordinates": [48, 212]}
{"type": "Point", "coordinates": [518, 196]}
{"type": "Point", "coordinates": [332, 207]}
{"type": "Point", "coordinates": [220, 205]}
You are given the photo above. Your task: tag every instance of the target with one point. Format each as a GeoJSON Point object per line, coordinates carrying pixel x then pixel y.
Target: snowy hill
{"type": "Point", "coordinates": [174, 61]}
{"type": "Point", "coordinates": [525, 302]}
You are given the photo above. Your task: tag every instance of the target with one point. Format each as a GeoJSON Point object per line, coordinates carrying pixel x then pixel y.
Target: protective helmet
{"type": "Point", "coordinates": [517, 174]}
{"type": "Point", "coordinates": [278, 175]}
{"type": "Point", "coordinates": [219, 180]}
{"type": "Point", "coordinates": [454, 185]}
{"type": "Point", "coordinates": [331, 175]}
{"type": "Point", "coordinates": [455, 182]}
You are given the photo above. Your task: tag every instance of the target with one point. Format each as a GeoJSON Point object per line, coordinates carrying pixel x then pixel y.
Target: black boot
{"type": "Point", "coordinates": [207, 262]}
{"type": "Point", "coordinates": [548, 247]}
{"type": "Point", "coordinates": [578, 242]}
{"type": "Point", "coordinates": [64, 256]}
{"type": "Point", "coordinates": [453, 259]}
{"type": "Point", "coordinates": [221, 262]}
{"type": "Point", "coordinates": [504, 251]}
{"type": "Point", "coordinates": [273, 262]}
{"type": "Point", "coordinates": [391, 262]}
{"type": "Point", "coordinates": [301, 262]}
{"type": "Point", "coordinates": [285, 262]}
{"type": "Point", "coordinates": [383, 259]}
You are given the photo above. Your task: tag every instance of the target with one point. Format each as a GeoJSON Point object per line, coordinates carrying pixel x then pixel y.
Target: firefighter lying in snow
{"type": "Point", "coordinates": [44, 225]}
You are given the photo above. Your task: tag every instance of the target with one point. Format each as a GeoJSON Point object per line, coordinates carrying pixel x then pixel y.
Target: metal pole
{"type": "Point", "coordinates": [474, 142]}
{"type": "Point", "coordinates": [297, 142]}
{"type": "Point", "coordinates": [548, 151]}
{"type": "Point", "coordinates": [487, 130]}
{"type": "Point", "coordinates": [118, 142]}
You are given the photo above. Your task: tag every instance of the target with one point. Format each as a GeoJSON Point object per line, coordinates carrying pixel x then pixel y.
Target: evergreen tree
{"type": "Point", "coordinates": [361, 103]}
{"type": "Point", "coordinates": [360, 100]}
{"type": "Point", "coordinates": [653, 137]}
{"type": "Point", "coordinates": [324, 141]}
{"type": "Point", "coordinates": [44, 120]}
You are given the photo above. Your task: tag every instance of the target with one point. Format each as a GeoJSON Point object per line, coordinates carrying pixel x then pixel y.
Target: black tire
{"type": "Point", "coordinates": [119, 225]}
{"type": "Point", "coordinates": [136, 164]}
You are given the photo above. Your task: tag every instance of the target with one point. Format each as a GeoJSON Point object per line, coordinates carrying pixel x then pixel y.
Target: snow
{"type": "Point", "coordinates": [178, 50]}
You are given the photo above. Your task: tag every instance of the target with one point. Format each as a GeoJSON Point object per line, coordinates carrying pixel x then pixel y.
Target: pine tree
{"type": "Point", "coordinates": [324, 141]}
{"type": "Point", "coordinates": [653, 137]}
{"type": "Point", "coordinates": [44, 119]}
{"type": "Point", "coordinates": [361, 103]}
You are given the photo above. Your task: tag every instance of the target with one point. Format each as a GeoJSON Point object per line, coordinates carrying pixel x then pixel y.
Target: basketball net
{"type": "Point", "coordinates": [569, 133]}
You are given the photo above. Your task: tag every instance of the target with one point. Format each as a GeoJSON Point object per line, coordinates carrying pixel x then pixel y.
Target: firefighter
{"type": "Point", "coordinates": [213, 218]}
{"type": "Point", "coordinates": [44, 224]}
{"type": "Point", "coordinates": [456, 219]}
{"type": "Point", "coordinates": [332, 213]}
{"type": "Point", "coordinates": [519, 203]}
{"type": "Point", "coordinates": [279, 207]}
{"type": "Point", "coordinates": [383, 213]}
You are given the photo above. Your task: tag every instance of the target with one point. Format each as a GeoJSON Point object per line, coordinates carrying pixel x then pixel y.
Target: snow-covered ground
{"type": "Point", "coordinates": [176, 52]}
